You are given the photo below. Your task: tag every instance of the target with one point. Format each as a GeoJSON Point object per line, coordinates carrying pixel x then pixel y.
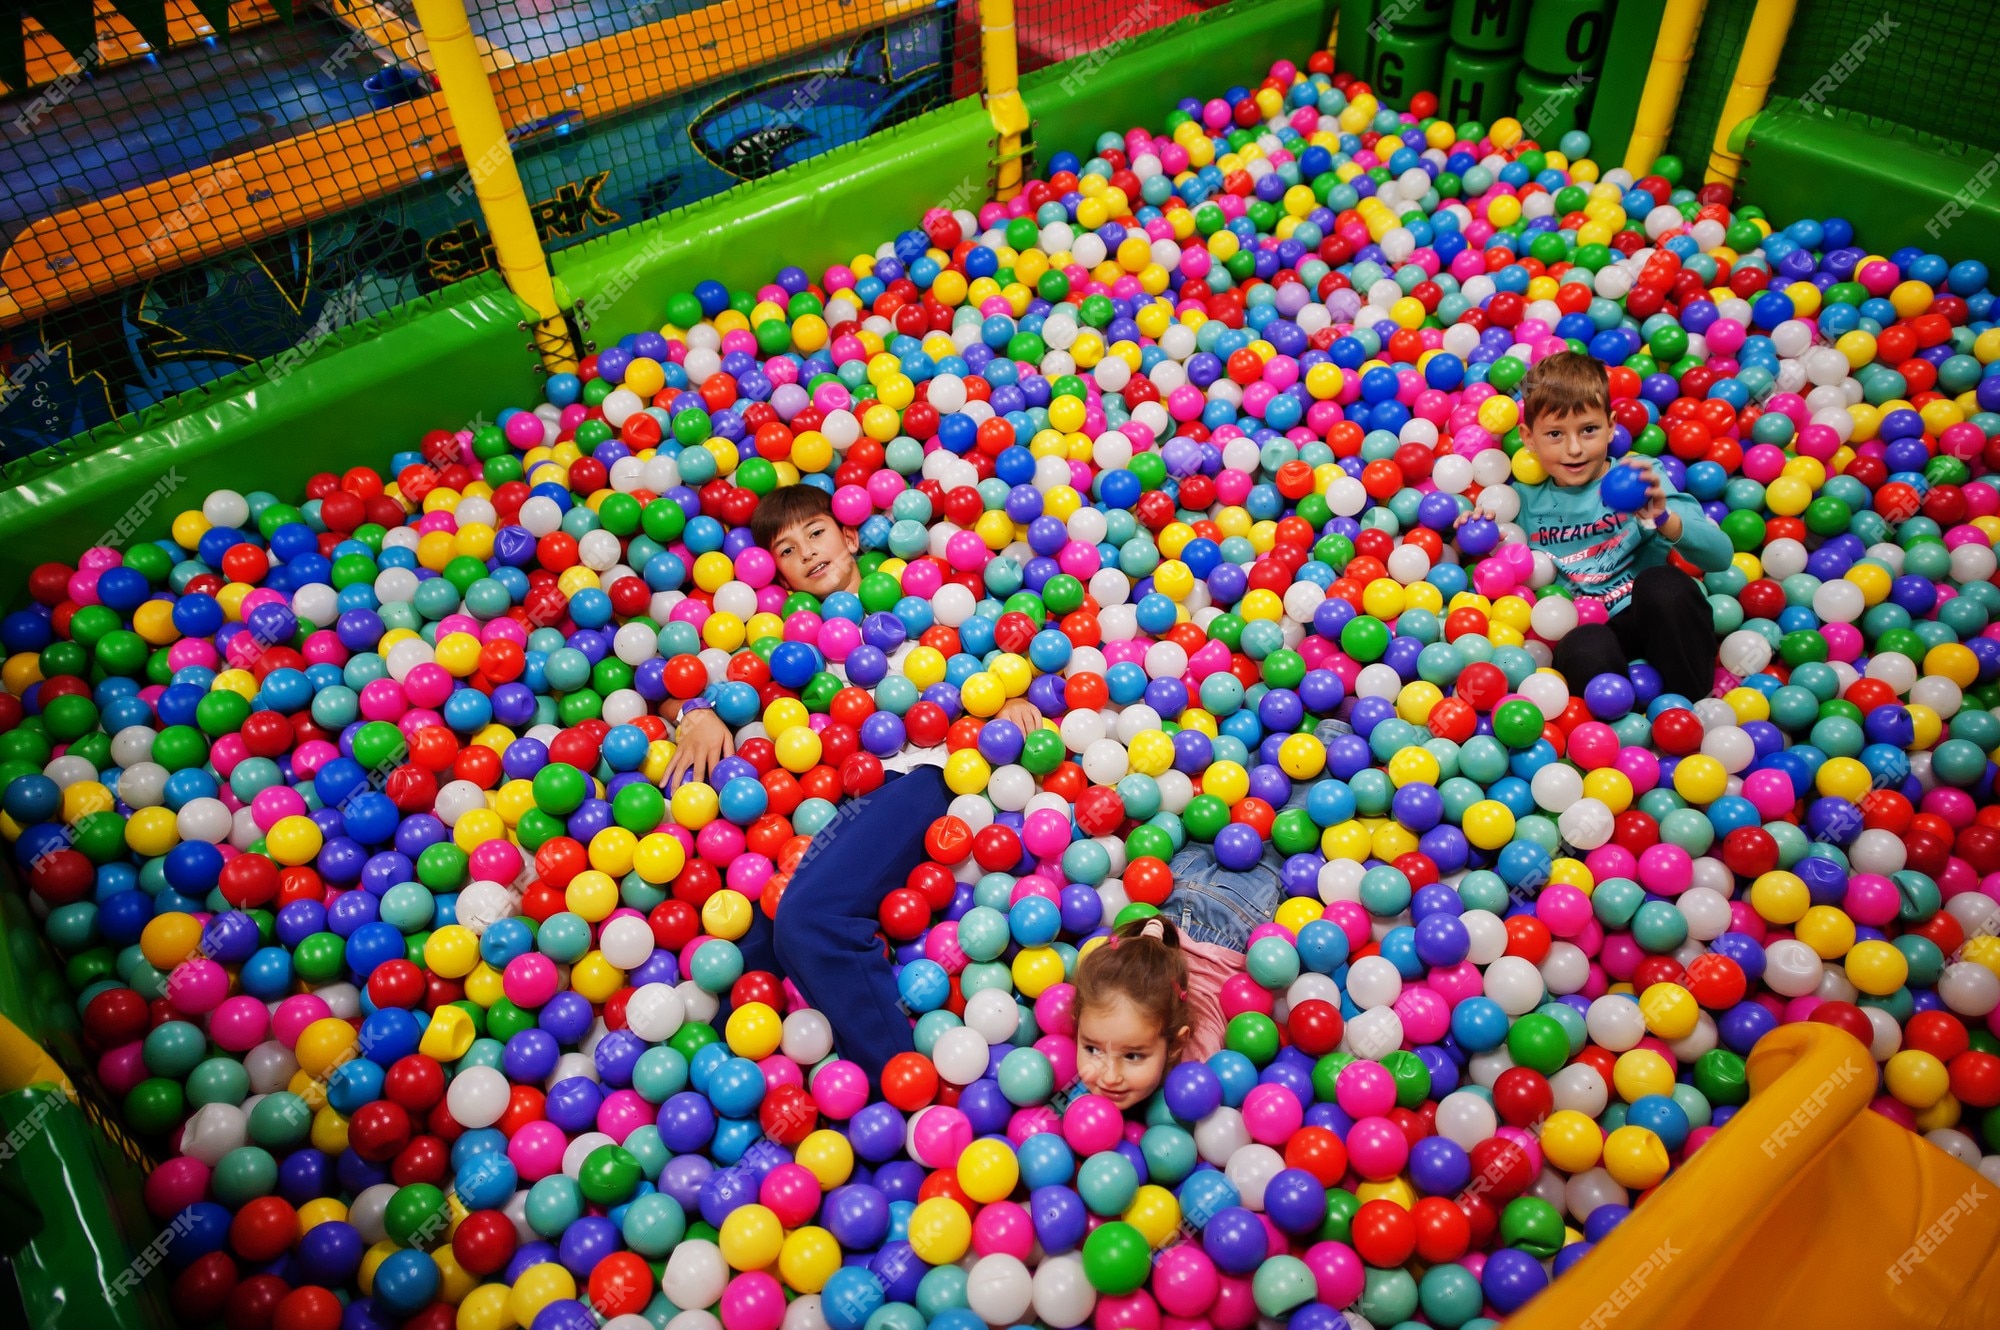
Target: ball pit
{"type": "Point", "coordinates": [347, 818]}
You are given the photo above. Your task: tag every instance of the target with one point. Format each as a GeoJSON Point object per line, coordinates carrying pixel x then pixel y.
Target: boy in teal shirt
{"type": "Point", "coordinates": [1657, 612]}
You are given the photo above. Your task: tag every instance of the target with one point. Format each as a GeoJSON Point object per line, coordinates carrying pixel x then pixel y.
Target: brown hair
{"type": "Point", "coordinates": [787, 506]}
{"type": "Point", "coordinates": [1144, 964]}
{"type": "Point", "coordinates": [1563, 385]}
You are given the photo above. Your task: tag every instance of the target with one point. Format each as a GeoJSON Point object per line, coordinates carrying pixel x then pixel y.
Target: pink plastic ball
{"type": "Point", "coordinates": [939, 1135]}
{"type": "Point", "coordinates": [530, 980]}
{"type": "Point", "coordinates": [239, 1023]}
{"type": "Point", "coordinates": [1241, 993]}
{"type": "Point", "coordinates": [536, 1150]}
{"type": "Point", "coordinates": [1337, 1271]}
{"type": "Point", "coordinates": [1377, 1148]}
{"type": "Point", "coordinates": [791, 1192]}
{"type": "Point", "coordinates": [294, 1014]}
{"type": "Point", "coordinates": [197, 985]}
{"type": "Point", "coordinates": [1365, 1090]}
{"type": "Point", "coordinates": [1003, 1229]}
{"type": "Point", "coordinates": [1272, 1114]}
{"type": "Point", "coordinates": [1092, 1124]}
{"type": "Point", "coordinates": [1185, 1280]}
{"type": "Point", "coordinates": [840, 1089]}
{"type": "Point", "coordinates": [754, 1301]}
{"type": "Point", "coordinates": [1666, 869]}
{"type": "Point", "coordinates": [175, 1185]}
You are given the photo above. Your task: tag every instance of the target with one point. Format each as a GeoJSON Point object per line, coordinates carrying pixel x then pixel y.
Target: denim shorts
{"type": "Point", "coordinates": [1217, 905]}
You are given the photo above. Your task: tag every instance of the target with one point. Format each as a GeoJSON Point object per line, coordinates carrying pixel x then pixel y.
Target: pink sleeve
{"type": "Point", "coordinates": [1209, 966]}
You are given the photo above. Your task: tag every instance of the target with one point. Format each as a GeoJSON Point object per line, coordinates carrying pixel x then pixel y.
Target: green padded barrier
{"type": "Point", "coordinates": [1897, 186]}
{"type": "Point", "coordinates": [814, 214]}
{"type": "Point", "coordinates": [1403, 64]}
{"type": "Point", "coordinates": [1628, 55]}
{"type": "Point", "coordinates": [1549, 108]}
{"type": "Point", "coordinates": [369, 390]}
{"type": "Point", "coordinates": [1489, 25]}
{"type": "Point", "coordinates": [1567, 37]}
{"type": "Point", "coordinates": [1477, 85]}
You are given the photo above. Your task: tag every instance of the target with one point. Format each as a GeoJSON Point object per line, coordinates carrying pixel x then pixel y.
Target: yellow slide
{"type": "Point", "coordinates": [1808, 1209]}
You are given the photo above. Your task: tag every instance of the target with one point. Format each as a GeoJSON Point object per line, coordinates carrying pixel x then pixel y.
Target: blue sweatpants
{"type": "Point", "coordinates": [827, 938]}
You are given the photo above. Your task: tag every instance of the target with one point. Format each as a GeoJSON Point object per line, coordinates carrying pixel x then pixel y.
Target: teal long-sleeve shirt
{"type": "Point", "coordinates": [1599, 553]}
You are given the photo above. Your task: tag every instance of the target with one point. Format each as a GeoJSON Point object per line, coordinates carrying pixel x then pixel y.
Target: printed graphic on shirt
{"type": "Point", "coordinates": [1593, 558]}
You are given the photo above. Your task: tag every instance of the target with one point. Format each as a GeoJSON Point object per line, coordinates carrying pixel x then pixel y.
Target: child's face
{"type": "Point", "coordinates": [817, 556]}
{"type": "Point", "coordinates": [1571, 448]}
{"type": "Point", "coordinates": [1121, 1052]}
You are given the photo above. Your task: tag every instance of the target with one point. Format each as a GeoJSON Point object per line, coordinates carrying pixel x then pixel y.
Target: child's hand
{"type": "Point", "coordinates": [1655, 508]}
{"type": "Point", "coordinates": [1480, 510]}
{"type": "Point", "coordinates": [1022, 713]}
{"type": "Point", "coordinates": [702, 742]}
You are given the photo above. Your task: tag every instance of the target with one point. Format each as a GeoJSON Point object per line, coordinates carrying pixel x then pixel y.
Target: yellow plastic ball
{"type": "Point", "coordinates": [751, 1237]}
{"type": "Point", "coordinates": [324, 1045]}
{"type": "Point", "coordinates": [1640, 1072]}
{"type": "Point", "coordinates": [1671, 1011]}
{"type": "Point", "coordinates": [1916, 1078]}
{"type": "Point", "coordinates": [169, 939]}
{"type": "Point", "coordinates": [1155, 1213]}
{"type": "Point", "coordinates": [450, 1034]}
{"type": "Point", "coordinates": [694, 805]}
{"type": "Point", "coordinates": [1036, 970]}
{"type": "Point", "coordinates": [940, 1231]}
{"type": "Point", "coordinates": [294, 840]}
{"type": "Point", "coordinates": [808, 1258]}
{"type": "Point", "coordinates": [1877, 968]}
{"type": "Point", "coordinates": [1571, 1141]}
{"type": "Point", "coordinates": [1635, 1157]}
{"type": "Point", "coordinates": [451, 951]}
{"type": "Point", "coordinates": [596, 978]}
{"type": "Point", "coordinates": [727, 914]}
{"type": "Point", "coordinates": [1297, 912]}
{"type": "Point", "coordinates": [538, 1286]}
{"type": "Point", "coordinates": [754, 1031]}
{"type": "Point", "coordinates": [1227, 781]}
{"type": "Point", "coordinates": [1302, 756]}
{"type": "Point", "coordinates": [1827, 930]}
{"type": "Point", "coordinates": [591, 895]}
{"type": "Point", "coordinates": [1488, 824]}
{"type": "Point", "coordinates": [967, 772]}
{"type": "Point", "coordinates": [659, 859]}
{"type": "Point", "coordinates": [1780, 898]}
{"type": "Point", "coordinates": [1700, 779]}
{"type": "Point", "coordinates": [828, 1156]}
{"type": "Point", "coordinates": [989, 1171]}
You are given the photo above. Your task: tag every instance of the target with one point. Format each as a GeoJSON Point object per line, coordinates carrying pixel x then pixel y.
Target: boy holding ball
{"type": "Point", "coordinates": [1609, 534]}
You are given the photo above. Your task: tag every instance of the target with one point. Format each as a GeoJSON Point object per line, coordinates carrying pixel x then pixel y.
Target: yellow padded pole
{"type": "Point", "coordinates": [1756, 67]}
{"type": "Point", "coordinates": [517, 246]}
{"type": "Point", "coordinates": [1672, 51]}
{"type": "Point", "coordinates": [1000, 61]}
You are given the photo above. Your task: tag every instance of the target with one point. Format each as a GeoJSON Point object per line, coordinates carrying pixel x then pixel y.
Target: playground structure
{"type": "Point", "coordinates": [481, 141]}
